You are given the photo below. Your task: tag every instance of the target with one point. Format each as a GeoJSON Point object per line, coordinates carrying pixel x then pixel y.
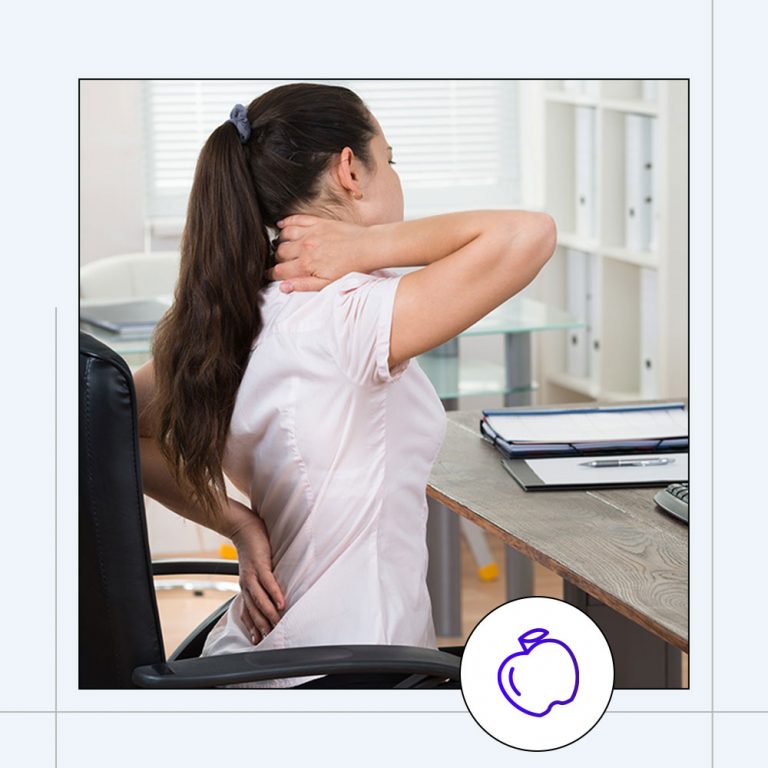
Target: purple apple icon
{"type": "Point", "coordinates": [543, 674]}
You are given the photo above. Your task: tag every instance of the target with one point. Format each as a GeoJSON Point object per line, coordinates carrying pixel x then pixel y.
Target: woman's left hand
{"type": "Point", "coordinates": [262, 597]}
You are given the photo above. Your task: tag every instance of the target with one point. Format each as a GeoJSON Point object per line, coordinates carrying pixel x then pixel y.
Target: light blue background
{"type": "Point", "coordinates": [49, 48]}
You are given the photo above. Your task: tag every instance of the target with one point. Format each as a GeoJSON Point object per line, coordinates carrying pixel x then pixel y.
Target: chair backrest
{"type": "Point", "coordinates": [130, 276]}
{"type": "Point", "coordinates": [118, 618]}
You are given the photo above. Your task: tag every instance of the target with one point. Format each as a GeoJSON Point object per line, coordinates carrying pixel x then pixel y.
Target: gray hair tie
{"type": "Point", "coordinates": [239, 118]}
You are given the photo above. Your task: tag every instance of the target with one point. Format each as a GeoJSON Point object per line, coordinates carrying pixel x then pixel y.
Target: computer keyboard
{"type": "Point", "coordinates": [674, 500]}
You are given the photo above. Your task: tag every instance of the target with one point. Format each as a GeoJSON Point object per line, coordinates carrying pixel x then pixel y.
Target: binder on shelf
{"type": "Point", "coordinates": [520, 433]}
{"type": "Point", "coordinates": [577, 274]}
{"type": "Point", "coordinates": [586, 171]}
{"type": "Point", "coordinates": [573, 86]}
{"type": "Point", "coordinates": [594, 330]}
{"type": "Point", "coordinates": [649, 334]}
{"type": "Point", "coordinates": [650, 90]}
{"type": "Point", "coordinates": [653, 185]}
{"type": "Point", "coordinates": [639, 177]}
{"type": "Point", "coordinates": [591, 88]}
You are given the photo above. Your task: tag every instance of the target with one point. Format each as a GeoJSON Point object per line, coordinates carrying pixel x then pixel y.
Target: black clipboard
{"type": "Point", "coordinates": [528, 480]}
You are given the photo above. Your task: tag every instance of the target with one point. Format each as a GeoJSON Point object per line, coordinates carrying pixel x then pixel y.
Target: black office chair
{"type": "Point", "coordinates": [120, 641]}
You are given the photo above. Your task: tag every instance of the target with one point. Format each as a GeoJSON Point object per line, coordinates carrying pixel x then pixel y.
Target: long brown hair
{"type": "Point", "coordinates": [201, 346]}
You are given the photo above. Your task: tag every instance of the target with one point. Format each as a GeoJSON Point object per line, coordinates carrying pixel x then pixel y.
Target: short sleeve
{"type": "Point", "coordinates": [362, 324]}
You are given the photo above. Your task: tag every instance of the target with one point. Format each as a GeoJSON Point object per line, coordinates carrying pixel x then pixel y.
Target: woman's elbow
{"type": "Point", "coordinates": [533, 242]}
{"type": "Point", "coordinates": [547, 237]}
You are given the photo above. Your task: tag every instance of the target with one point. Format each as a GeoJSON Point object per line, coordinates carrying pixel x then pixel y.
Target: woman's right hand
{"type": "Point", "coordinates": [312, 252]}
{"type": "Point", "coordinates": [263, 600]}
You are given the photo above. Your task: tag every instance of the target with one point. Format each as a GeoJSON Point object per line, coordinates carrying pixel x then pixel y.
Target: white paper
{"type": "Point", "coordinates": [568, 471]}
{"type": "Point", "coordinates": [592, 426]}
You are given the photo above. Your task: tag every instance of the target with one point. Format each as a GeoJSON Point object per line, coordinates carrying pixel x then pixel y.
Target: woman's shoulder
{"type": "Point", "coordinates": [301, 310]}
{"type": "Point", "coordinates": [354, 280]}
{"type": "Point", "coordinates": [366, 277]}
{"type": "Point", "coordinates": [272, 297]}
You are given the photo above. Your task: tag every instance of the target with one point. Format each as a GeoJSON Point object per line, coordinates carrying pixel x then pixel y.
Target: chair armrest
{"type": "Point", "coordinates": [174, 566]}
{"type": "Point", "coordinates": [250, 666]}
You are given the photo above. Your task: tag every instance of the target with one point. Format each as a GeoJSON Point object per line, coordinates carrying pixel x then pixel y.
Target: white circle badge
{"type": "Point", "coordinates": [537, 673]}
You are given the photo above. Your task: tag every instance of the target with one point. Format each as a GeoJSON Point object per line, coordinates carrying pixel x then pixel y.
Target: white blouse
{"type": "Point", "coordinates": [334, 452]}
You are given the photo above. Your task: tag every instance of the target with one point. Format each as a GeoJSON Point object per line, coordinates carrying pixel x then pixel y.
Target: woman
{"type": "Point", "coordinates": [291, 370]}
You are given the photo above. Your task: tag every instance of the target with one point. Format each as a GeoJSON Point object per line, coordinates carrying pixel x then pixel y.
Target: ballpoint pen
{"type": "Point", "coordinates": [626, 463]}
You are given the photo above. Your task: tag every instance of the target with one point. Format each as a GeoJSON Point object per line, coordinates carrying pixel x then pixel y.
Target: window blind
{"type": "Point", "coordinates": [455, 141]}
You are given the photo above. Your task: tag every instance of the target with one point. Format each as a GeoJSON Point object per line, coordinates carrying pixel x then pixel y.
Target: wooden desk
{"type": "Point", "coordinates": [624, 562]}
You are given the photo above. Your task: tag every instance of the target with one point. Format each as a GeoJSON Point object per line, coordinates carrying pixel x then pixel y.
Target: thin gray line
{"type": "Point", "coordinates": [362, 712]}
{"type": "Point", "coordinates": [348, 711]}
{"type": "Point", "coordinates": [661, 712]}
{"type": "Point", "coordinates": [712, 359]}
{"type": "Point", "coordinates": [264, 712]}
{"type": "Point", "coordinates": [353, 711]}
{"type": "Point", "coordinates": [55, 534]}
{"type": "Point", "coordinates": [690, 712]}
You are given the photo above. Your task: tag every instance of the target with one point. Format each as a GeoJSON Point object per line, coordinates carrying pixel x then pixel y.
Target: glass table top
{"type": "Point", "coordinates": [518, 315]}
{"type": "Point", "coordinates": [454, 378]}
{"type": "Point", "coordinates": [522, 315]}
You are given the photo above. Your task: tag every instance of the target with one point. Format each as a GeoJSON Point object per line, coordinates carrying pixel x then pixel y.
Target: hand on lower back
{"type": "Point", "coordinates": [263, 599]}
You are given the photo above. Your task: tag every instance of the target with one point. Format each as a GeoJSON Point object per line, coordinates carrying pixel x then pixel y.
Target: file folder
{"type": "Point", "coordinates": [592, 88]}
{"type": "Point", "coordinates": [586, 171]}
{"type": "Point", "coordinates": [594, 331]}
{"type": "Point", "coordinates": [639, 175]}
{"type": "Point", "coordinates": [574, 86]}
{"type": "Point", "coordinates": [650, 90]}
{"type": "Point", "coordinates": [649, 333]}
{"type": "Point", "coordinates": [577, 276]}
{"type": "Point", "coordinates": [530, 433]}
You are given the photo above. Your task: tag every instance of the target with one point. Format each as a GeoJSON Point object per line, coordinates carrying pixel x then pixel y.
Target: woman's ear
{"type": "Point", "coordinates": [346, 170]}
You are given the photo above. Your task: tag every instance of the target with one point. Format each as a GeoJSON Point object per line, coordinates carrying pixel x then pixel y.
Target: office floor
{"type": "Point", "coordinates": [182, 610]}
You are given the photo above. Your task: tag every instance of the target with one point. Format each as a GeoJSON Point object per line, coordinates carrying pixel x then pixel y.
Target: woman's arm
{"type": "Point", "coordinates": [473, 261]}
{"type": "Point", "coordinates": [473, 265]}
{"type": "Point", "coordinates": [262, 595]}
{"type": "Point", "coordinates": [157, 477]}
{"type": "Point", "coordinates": [161, 486]}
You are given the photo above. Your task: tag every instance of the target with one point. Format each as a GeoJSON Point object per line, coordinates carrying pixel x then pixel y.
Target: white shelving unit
{"type": "Point", "coordinates": [619, 367]}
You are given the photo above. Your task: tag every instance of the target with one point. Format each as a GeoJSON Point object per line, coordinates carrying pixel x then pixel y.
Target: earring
{"type": "Point", "coordinates": [360, 197]}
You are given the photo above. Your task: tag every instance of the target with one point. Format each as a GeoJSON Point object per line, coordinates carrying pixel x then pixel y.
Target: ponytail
{"type": "Point", "coordinates": [202, 344]}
